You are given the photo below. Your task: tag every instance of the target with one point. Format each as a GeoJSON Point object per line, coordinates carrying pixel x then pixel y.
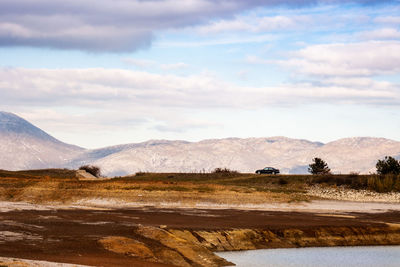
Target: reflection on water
{"type": "Point", "coordinates": [382, 256]}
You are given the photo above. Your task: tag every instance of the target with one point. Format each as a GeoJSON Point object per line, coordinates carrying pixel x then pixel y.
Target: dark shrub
{"type": "Point", "coordinates": [93, 170]}
{"type": "Point", "coordinates": [340, 181]}
{"type": "Point", "coordinates": [328, 179]}
{"type": "Point", "coordinates": [282, 181]}
{"type": "Point", "coordinates": [224, 172]}
{"type": "Point", "coordinates": [318, 166]}
{"type": "Point", "coordinates": [354, 174]}
{"type": "Point", "coordinates": [383, 183]}
{"type": "Point", "coordinates": [388, 165]}
{"type": "Point", "coordinates": [358, 182]}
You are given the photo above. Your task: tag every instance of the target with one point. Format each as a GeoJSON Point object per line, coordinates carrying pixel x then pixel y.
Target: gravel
{"type": "Point", "coordinates": [346, 194]}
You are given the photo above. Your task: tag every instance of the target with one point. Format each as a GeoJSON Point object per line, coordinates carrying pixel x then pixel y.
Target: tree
{"type": "Point", "coordinates": [93, 170]}
{"type": "Point", "coordinates": [388, 165]}
{"type": "Point", "coordinates": [318, 167]}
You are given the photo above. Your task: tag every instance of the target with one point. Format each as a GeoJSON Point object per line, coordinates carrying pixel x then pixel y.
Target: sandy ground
{"type": "Point", "coordinates": [312, 206]}
{"type": "Point", "coordinates": [14, 262]}
{"type": "Point", "coordinates": [346, 194]}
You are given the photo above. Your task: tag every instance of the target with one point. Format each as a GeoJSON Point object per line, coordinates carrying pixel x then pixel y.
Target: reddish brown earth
{"type": "Point", "coordinates": [71, 236]}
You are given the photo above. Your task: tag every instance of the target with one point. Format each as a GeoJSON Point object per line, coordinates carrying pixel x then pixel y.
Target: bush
{"type": "Point", "coordinates": [354, 174]}
{"type": "Point", "coordinates": [383, 183]}
{"type": "Point", "coordinates": [93, 170]}
{"type": "Point", "coordinates": [359, 182]}
{"type": "Point", "coordinates": [318, 166]}
{"type": "Point", "coordinates": [328, 179]}
{"type": "Point", "coordinates": [282, 181]}
{"type": "Point", "coordinates": [224, 171]}
{"type": "Point", "coordinates": [388, 165]}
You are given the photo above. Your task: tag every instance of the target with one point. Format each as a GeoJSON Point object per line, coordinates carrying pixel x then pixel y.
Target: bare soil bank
{"type": "Point", "coordinates": [184, 237]}
{"type": "Point", "coordinates": [181, 219]}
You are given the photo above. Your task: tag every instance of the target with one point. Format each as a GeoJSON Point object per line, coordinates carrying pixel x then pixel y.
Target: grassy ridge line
{"type": "Point", "coordinates": [62, 186]}
{"type": "Point", "coordinates": [373, 182]}
{"type": "Point", "coordinates": [355, 181]}
{"type": "Point", "coordinates": [146, 188]}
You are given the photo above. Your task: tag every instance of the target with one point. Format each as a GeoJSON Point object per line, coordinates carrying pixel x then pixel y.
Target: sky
{"type": "Point", "coordinates": [103, 72]}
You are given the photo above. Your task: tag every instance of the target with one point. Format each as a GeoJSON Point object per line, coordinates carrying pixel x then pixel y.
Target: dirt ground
{"type": "Point", "coordinates": [50, 215]}
{"type": "Point", "coordinates": [71, 235]}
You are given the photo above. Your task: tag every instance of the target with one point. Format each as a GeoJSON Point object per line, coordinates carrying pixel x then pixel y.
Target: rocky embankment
{"type": "Point", "coordinates": [195, 247]}
{"type": "Point", "coordinates": [346, 194]}
{"type": "Point", "coordinates": [151, 236]}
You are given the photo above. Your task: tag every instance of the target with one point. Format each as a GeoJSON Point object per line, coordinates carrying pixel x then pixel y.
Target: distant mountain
{"type": "Point", "coordinates": [90, 156]}
{"type": "Point", "coordinates": [179, 156]}
{"type": "Point", "coordinates": [24, 146]}
{"type": "Point", "coordinates": [246, 155]}
{"type": "Point", "coordinates": [358, 154]}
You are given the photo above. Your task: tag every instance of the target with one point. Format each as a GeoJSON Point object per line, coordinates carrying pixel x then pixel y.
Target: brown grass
{"type": "Point", "coordinates": [146, 188]}
{"type": "Point", "coordinates": [36, 174]}
{"type": "Point", "coordinates": [54, 185]}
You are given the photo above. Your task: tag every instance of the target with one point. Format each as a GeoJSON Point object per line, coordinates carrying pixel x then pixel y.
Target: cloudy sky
{"type": "Point", "coordinates": [106, 72]}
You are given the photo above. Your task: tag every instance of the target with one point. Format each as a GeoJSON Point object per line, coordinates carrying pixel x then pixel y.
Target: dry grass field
{"type": "Point", "coordinates": [45, 186]}
{"type": "Point", "coordinates": [63, 186]}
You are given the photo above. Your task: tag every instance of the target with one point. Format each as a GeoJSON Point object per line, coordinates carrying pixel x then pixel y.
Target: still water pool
{"type": "Point", "coordinates": [382, 256]}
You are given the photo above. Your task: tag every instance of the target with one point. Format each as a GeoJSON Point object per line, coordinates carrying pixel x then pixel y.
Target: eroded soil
{"type": "Point", "coordinates": [72, 236]}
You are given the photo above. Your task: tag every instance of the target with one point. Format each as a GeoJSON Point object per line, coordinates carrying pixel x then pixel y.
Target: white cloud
{"type": "Point", "coordinates": [225, 25]}
{"type": "Point", "coordinates": [353, 59]}
{"type": "Point", "coordinates": [104, 25]}
{"type": "Point", "coordinates": [146, 93]}
{"type": "Point", "coordinates": [145, 63]}
{"type": "Point", "coordinates": [221, 41]}
{"type": "Point", "coordinates": [123, 25]}
{"type": "Point", "coordinates": [358, 82]}
{"type": "Point", "coordinates": [255, 24]}
{"type": "Point", "coordinates": [388, 19]}
{"type": "Point", "coordinates": [142, 63]}
{"type": "Point", "coordinates": [118, 106]}
{"type": "Point", "coordinates": [380, 34]}
{"type": "Point", "coordinates": [251, 59]}
{"type": "Point", "coordinates": [243, 74]}
{"type": "Point", "coordinates": [174, 66]}
{"type": "Point", "coordinates": [182, 124]}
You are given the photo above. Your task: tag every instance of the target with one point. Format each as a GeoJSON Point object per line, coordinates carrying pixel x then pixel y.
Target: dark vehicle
{"type": "Point", "coordinates": [268, 170]}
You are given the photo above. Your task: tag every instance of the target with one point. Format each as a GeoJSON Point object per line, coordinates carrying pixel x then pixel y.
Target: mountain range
{"type": "Point", "coordinates": [25, 146]}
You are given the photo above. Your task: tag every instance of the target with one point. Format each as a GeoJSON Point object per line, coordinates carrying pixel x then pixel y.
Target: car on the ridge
{"type": "Point", "coordinates": [268, 170]}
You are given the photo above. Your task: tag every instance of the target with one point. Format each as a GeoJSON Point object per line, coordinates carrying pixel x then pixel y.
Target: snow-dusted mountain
{"type": "Point", "coordinates": [358, 154]}
{"type": "Point", "coordinates": [246, 155]}
{"type": "Point", "coordinates": [24, 146]}
{"type": "Point", "coordinates": [178, 156]}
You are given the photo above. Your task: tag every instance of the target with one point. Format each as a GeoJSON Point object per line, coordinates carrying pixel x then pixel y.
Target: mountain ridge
{"type": "Point", "coordinates": [25, 146]}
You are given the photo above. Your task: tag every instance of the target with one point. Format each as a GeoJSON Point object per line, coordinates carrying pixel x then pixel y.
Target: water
{"type": "Point", "coordinates": [382, 256]}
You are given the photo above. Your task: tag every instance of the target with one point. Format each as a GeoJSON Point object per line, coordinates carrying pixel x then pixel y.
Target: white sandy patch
{"type": "Point", "coordinates": [6, 206]}
{"type": "Point", "coordinates": [312, 206]}
{"type": "Point", "coordinates": [321, 206]}
{"type": "Point", "coordinates": [9, 206]}
{"type": "Point", "coordinates": [14, 262]}
{"type": "Point", "coordinates": [6, 236]}
{"type": "Point", "coordinates": [342, 193]}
